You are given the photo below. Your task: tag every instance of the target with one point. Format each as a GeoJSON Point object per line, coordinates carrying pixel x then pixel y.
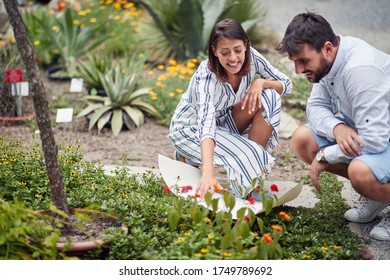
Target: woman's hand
{"type": "Point", "coordinates": [252, 97]}
{"type": "Point", "coordinates": [206, 183]}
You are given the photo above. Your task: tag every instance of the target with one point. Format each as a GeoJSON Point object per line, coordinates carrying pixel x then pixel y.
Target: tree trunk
{"type": "Point", "coordinates": [41, 106]}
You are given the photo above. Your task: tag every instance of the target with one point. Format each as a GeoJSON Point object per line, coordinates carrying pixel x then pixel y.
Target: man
{"type": "Point", "coordinates": [348, 112]}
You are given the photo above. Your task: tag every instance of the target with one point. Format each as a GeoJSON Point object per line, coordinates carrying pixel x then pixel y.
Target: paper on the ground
{"type": "Point", "coordinates": [177, 174]}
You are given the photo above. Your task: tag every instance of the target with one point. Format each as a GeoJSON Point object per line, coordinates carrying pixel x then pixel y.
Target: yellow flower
{"type": "Point", "coordinates": [207, 220]}
{"type": "Point", "coordinates": [187, 233]}
{"type": "Point", "coordinates": [210, 236]}
{"type": "Point", "coordinates": [76, 22]}
{"type": "Point", "coordinates": [92, 20]}
{"type": "Point", "coordinates": [181, 239]}
{"type": "Point", "coordinates": [306, 256]}
{"type": "Point", "coordinates": [204, 250]}
{"type": "Point", "coordinates": [151, 73]}
{"type": "Point", "coordinates": [160, 67]}
{"type": "Point", "coordinates": [171, 94]}
{"type": "Point", "coordinates": [82, 13]}
{"type": "Point", "coordinates": [336, 247]}
{"type": "Point", "coordinates": [227, 254]}
{"type": "Point", "coordinates": [160, 85]}
{"type": "Point", "coordinates": [2, 43]}
{"type": "Point", "coordinates": [324, 248]}
{"type": "Point", "coordinates": [191, 65]}
{"type": "Point", "coordinates": [179, 90]}
{"type": "Point", "coordinates": [197, 254]}
{"type": "Point", "coordinates": [55, 28]}
{"type": "Point", "coordinates": [173, 62]}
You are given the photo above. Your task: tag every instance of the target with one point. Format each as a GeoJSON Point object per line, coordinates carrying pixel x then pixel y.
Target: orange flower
{"type": "Point", "coordinates": [274, 188]}
{"type": "Point", "coordinates": [277, 228]}
{"type": "Point", "coordinates": [197, 195]}
{"type": "Point", "coordinates": [285, 216]}
{"type": "Point", "coordinates": [267, 238]}
{"type": "Point", "coordinates": [218, 187]}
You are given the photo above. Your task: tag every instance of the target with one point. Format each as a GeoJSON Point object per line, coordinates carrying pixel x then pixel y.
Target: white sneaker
{"type": "Point", "coordinates": [365, 210]}
{"type": "Point", "coordinates": [382, 230]}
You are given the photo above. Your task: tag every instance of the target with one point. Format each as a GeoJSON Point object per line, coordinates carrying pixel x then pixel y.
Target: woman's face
{"type": "Point", "coordinates": [231, 54]}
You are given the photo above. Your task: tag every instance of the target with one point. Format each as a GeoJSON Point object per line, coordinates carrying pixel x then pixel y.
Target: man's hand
{"type": "Point", "coordinates": [315, 170]}
{"type": "Point", "coordinates": [348, 140]}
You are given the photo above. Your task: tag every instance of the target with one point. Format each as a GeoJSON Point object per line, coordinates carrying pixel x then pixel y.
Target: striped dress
{"type": "Point", "coordinates": [205, 111]}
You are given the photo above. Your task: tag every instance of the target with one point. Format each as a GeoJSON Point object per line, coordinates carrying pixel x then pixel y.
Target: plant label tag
{"type": "Point", "coordinates": [14, 76]}
{"type": "Point", "coordinates": [64, 115]}
{"type": "Point", "coordinates": [20, 89]}
{"type": "Point", "coordinates": [76, 85]}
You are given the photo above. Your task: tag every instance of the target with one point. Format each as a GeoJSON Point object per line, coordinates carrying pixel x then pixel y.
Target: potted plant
{"type": "Point", "coordinates": [89, 71]}
{"type": "Point", "coordinates": [13, 109]}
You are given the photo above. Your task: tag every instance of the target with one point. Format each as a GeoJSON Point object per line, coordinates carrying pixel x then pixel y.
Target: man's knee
{"type": "Point", "coordinates": [360, 174]}
{"type": "Point", "coordinates": [303, 143]}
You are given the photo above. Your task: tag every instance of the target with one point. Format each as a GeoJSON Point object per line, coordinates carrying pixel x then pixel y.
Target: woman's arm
{"type": "Point", "coordinates": [208, 179]}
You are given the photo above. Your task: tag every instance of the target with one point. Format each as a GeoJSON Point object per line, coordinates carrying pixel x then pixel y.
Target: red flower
{"type": "Point", "coordinates": [197, 195]}
{"type": "Point", "coordinates": [274, 188]}
{"type": "Point", "coordinates": [166, 189]}
{"type": "Point", "coordinates": [185, 189]}
{"type": "Point", "coordinates": [61, 5]}
{"type": "Point", "coordinates": [251, 200]}
{"type": "Point", "coordinates": [247, 218]}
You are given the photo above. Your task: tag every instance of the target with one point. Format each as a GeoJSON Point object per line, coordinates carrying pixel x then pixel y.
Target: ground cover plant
{"type": "Point", "coordinates": [164, 226]}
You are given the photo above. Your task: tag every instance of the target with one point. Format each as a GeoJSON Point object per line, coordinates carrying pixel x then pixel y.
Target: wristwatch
{"type": "Point", "coordinates": [320, 156]}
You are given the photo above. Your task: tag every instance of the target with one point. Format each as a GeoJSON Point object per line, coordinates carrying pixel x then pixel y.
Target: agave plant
{"type": "Point", "coordinates": [182, 28]}
{"type": "Point", "coordinates": [123, 103]}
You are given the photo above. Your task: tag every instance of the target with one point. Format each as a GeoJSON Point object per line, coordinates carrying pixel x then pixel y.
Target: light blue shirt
{"type": "Point", "coordinates": [357, 88]}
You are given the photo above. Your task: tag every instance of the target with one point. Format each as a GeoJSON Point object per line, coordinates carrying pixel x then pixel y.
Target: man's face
{"type": "Point", "coordinates": [315, 65]}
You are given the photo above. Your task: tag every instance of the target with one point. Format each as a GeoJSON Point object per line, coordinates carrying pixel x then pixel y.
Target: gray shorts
{"type": "Point", "coordinates": [378, 163]}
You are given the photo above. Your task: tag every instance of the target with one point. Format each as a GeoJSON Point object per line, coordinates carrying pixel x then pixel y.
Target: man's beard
{"type": "Point", "coordinates": [320, 72]}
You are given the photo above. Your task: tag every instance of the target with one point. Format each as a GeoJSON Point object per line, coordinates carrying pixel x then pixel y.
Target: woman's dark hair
{"type": "Point", "coordinates": [228, 28]}
{"type": "Point", "coordinates": [309, 28]}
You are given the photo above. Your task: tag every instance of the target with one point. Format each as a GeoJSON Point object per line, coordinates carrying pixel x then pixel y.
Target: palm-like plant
{"type": "Point", "coordinates": [123, 103]}
{"type": "Point", "coordinates": [182, 28]}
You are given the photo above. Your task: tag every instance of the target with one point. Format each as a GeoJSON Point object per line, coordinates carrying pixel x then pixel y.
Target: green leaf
{"type": "Point", "coordinates": [211, 11]}
{"type": "Point", "coordinates": [103, 120]}
{"type": "Point", "coordinates": [229, 200]}
{"type": "Point", "coordinates": [173, 219]}
{"type": "Point", "coordinates": [89, 109]}
{"type": "Point", "coordinates": [117, 121]}
{"type": "Point", "coordinates": [190, 17]}
{"type": "Point", "coordinates": [135, 114]}
{"type": "Point", "coordinates": [96, 116]}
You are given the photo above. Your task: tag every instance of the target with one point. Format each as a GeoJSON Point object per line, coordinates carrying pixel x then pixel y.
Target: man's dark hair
{"type": "Point", "coordinates": [309, 28]}
{"type": "Point", "coordinates": [232, 29]}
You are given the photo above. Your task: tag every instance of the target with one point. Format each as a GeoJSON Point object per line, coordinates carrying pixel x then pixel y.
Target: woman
{"type": "Point", "coordinates": [230, 113]}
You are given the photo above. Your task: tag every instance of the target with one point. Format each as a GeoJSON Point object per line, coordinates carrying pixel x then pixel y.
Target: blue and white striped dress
{"type": "Point", "coordinates": [205, 112]}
